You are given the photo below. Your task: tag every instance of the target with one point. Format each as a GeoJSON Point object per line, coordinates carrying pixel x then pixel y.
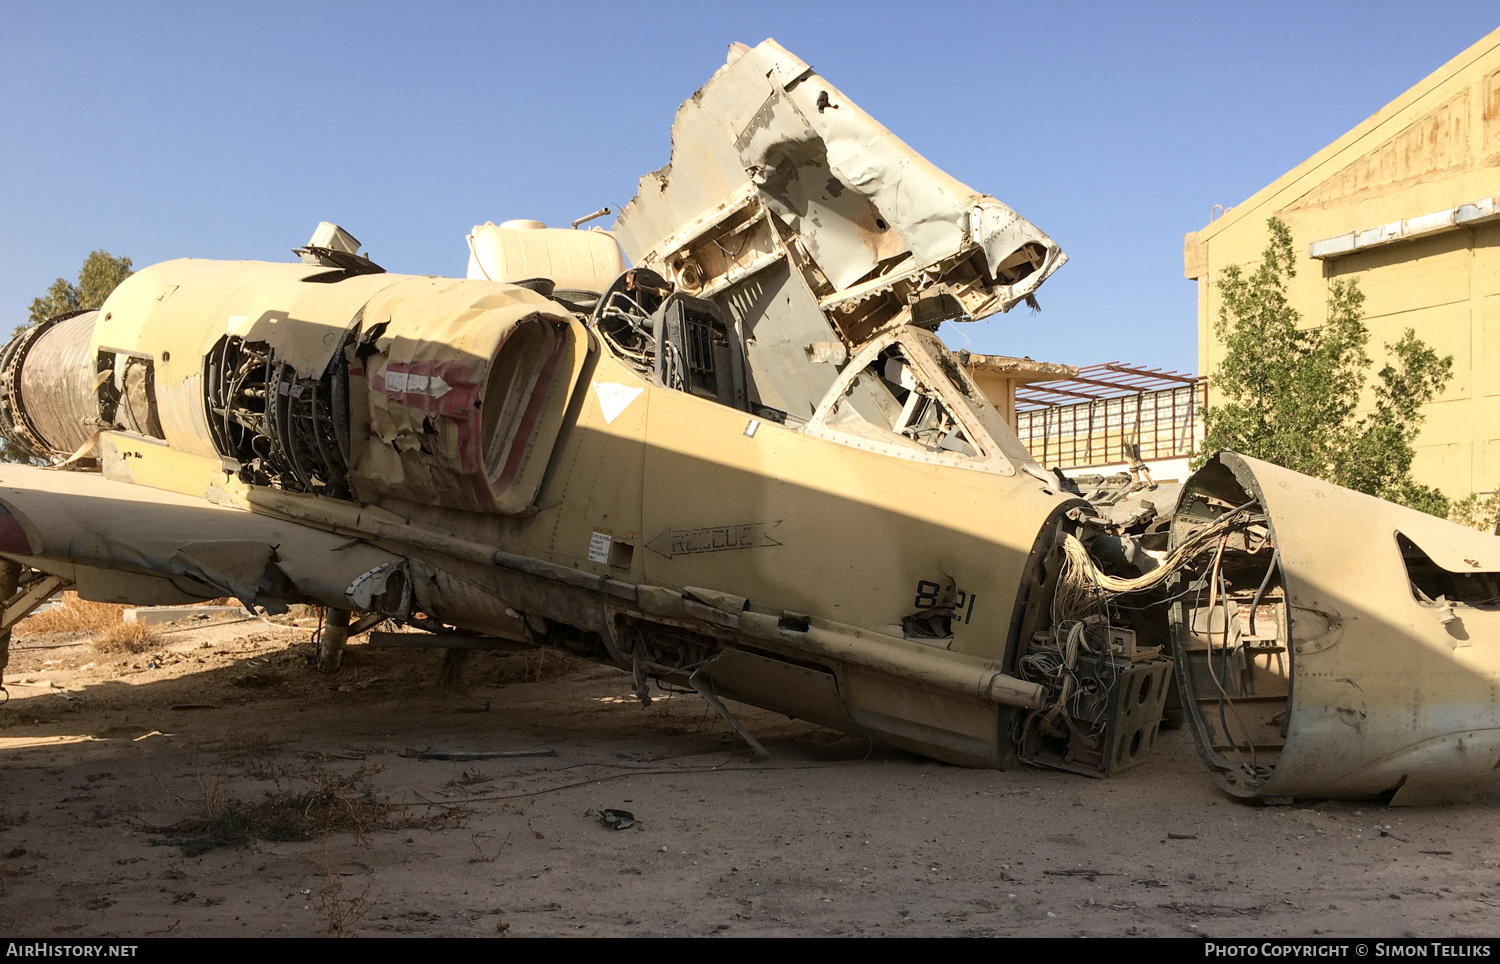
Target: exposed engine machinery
{"type": "Point", "coordinates": [357, 385]}
{"type": "Point", "coordinates": [333, 379]}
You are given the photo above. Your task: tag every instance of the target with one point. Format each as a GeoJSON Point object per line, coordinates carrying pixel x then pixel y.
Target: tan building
{"type": "Point", "coordinates": [1001, 376]}
{"type": "Point", "coordinates": [1407, 203]}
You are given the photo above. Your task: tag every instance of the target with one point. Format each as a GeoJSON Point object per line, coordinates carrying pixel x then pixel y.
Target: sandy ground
{"type": "Point", "coordinates": [113, 771]}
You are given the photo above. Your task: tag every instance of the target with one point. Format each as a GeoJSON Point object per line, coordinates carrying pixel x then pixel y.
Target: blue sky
{"type": "Point", "coordinates": [161, 130]}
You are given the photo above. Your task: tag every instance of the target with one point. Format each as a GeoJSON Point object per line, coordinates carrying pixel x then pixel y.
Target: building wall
{"type": "Point", "coordinates": [1433, 148]}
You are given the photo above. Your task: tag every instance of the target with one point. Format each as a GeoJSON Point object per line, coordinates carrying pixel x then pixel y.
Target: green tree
{"type": "Point", "coordinates": [100, 274]}
{"type": "Point", "coordinates": [1292, 394]}
{"type": "Point", "coordinates": [1476, 511]}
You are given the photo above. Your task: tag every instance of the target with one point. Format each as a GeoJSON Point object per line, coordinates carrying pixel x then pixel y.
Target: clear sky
{"type": "Point", "coordinates": [228, 130]}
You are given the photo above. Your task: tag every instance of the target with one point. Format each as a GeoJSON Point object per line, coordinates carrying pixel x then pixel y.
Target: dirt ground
{"type": "Point", "coordinates": [166, 792]}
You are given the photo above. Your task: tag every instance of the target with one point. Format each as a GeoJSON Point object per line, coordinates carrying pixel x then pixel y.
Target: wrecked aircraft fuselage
{"type": "Point", "coordinates": [1336, 645]}
{"type": "Point", "coordinates": [745, 465]}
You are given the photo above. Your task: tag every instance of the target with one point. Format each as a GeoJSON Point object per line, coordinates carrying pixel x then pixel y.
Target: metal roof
{"type": "Point", "coordinates": [1106, 380]}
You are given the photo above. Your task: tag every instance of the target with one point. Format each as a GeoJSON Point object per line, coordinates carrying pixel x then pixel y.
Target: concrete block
{"type": "Point", "coordinates": [156, 615]}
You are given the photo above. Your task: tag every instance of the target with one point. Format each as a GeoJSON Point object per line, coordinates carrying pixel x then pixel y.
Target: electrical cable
{"type": "Point", "coordinates": [1270, 568]}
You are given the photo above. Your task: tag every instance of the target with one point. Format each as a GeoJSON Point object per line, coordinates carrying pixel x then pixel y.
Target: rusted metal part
{"type": "Point", "coordinates": [10, 579]}
{"type": "Point", "coordinates": [18, 600]}
{"type": "Point", "coordinates": [13, 423]}
{"type": "Point", "coordinates": [366, 622]}
{"type": "Point", "coordinates": [20, 605]}
{"type": "Point", "coordinates": [705, 689]}
{"type": "Point", "coordinates": [177, 312]}
{"type": "Point", "coordinates": [476, 603]}
{"type": "Point", "coordinates": [1023, 370]}
{"type": "Point", "coordinates": [335, 633]}
{"type": "Point", "coordinates": [970, 434]}
{"type": "Point", "coordinates": [1482, 211]}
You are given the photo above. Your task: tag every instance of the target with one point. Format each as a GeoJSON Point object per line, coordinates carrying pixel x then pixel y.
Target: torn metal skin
{"type": "Point", "coordinates": [779, 185]}
{"type": "Point", "coordinates": [746, 465]}
{"type": "Point", "coordinates": [1369, 668]}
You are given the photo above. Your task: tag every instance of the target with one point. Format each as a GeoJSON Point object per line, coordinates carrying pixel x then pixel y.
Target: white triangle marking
{"type": "Point", "coordinates": [614, 398]}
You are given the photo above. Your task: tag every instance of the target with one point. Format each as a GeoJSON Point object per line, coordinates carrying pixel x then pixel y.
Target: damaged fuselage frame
{"type": "Point", "coordinates": [746, 465]}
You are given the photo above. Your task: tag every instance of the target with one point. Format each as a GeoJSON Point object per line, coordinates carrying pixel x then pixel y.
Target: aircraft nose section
{"type": "Point", "coordinates": [1337, 645]}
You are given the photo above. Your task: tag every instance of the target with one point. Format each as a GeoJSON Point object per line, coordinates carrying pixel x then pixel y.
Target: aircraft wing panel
{"type": "Point", "coordinates": [85, 519]}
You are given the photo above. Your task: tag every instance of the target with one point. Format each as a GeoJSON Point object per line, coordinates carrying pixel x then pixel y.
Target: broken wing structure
{"type": "Point", "coordinates": [746, 465]}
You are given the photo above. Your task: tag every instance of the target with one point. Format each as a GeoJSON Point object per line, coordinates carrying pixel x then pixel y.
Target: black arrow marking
{"type": "Point", "coordinates": [687, 542]}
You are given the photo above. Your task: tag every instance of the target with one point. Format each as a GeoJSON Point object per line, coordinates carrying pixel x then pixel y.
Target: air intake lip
{"type": "Point", "coordinates": [13, 537]}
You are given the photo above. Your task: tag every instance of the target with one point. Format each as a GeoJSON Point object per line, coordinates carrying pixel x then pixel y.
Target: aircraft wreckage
{"type": "Point", "coordinates": [746, 465]}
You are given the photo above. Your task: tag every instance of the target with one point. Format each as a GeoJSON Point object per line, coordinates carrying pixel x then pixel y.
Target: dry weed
{"type": "Point", "coordinates": [468, 778]}
{"type": "Point", "coordinates": [328, 804]}
{"type": "Point", "coordinates": [341, 914]}
{"type": "Point", "coordinates": [487, 858]}
{"type": "Point", "coordinates": [537, 665]}
{"type": "Point", "coordinates": [451, 673]}
{"type": "Point", "coordinates": [213, 787]}
{"type": "Point", "coordinates": [105, 621]}
{"type": "Point", "coordinates": [72, 615]}
{"type": "Point", "coordinates": [256, 754]}
{"type": "Point", "coordinates": [125, 638]}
